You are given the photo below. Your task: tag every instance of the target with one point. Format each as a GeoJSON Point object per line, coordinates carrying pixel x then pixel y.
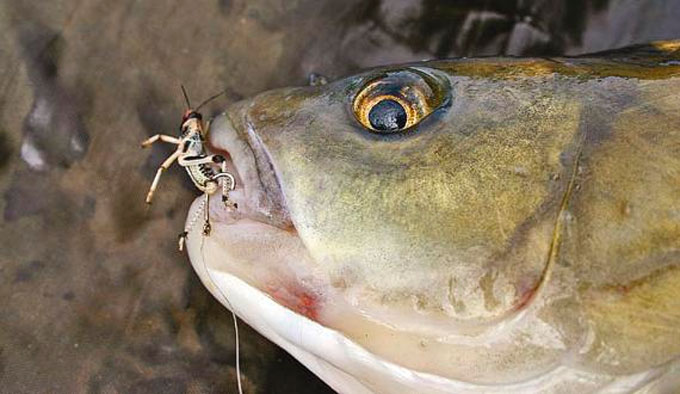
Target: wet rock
{"type": "Point", "coordinates": [54, 134]}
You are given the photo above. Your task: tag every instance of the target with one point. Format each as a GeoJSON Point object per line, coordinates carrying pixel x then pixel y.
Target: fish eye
{"type": "Point", "coordinates": [387, 115]}
{"type": "Point", "coordinates": [396, 101]}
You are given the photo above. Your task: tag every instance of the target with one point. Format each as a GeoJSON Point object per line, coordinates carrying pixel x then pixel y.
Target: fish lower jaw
{"type": "Point", "coordinates": [263, 273]}
{"type": "Point", "coordinates": [350, 368]}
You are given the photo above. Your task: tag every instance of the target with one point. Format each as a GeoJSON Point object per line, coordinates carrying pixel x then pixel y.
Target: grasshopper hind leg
{"type": "Point", "coordinates": [200, 211]}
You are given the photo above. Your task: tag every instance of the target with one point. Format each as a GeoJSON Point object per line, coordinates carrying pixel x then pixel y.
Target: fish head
{"type": "Point", "coordinates": [395, 228]}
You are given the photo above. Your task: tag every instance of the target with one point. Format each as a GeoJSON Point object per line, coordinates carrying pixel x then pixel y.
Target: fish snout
{"type": "Point", "coordinates": [257, 193]}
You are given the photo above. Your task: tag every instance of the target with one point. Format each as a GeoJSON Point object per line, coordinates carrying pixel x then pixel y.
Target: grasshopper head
{"type": "Point", "coordinates": [191, 119]}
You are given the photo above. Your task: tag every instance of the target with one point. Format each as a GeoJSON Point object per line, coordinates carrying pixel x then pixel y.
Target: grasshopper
{"type": "Point", "coordinates": [206, 171]}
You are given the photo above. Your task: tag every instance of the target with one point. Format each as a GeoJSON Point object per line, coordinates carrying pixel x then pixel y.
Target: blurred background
{"type": "Point", "coordinates": [95, 296]}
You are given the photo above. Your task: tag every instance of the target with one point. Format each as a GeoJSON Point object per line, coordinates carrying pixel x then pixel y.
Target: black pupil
{"type": "Point", "coordinates": [387, 115]}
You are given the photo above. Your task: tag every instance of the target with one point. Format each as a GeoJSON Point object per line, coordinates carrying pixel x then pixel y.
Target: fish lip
{"type": "Point", "coordinates": [257, 191]}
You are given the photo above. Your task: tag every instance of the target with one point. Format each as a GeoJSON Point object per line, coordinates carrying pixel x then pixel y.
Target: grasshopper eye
{"type": "Point", "coordinates": [396, 101]}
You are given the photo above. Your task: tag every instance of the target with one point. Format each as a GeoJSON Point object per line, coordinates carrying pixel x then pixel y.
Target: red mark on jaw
{"type": "Point", "coordinates": [295, 298]}
{"type": "Point", "coordinates": [524, 298]}
{"type": "Point", "coordinates": [526, 290]}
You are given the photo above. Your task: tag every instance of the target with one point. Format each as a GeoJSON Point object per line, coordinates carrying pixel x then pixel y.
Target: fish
{"type": "Point", "coordinates": [496, 225]}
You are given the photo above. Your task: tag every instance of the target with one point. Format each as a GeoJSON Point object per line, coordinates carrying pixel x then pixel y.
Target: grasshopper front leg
{"type": "Point", "coordinates": [163, 167]}
{"type": "Point", "coordinates": [163, 137]}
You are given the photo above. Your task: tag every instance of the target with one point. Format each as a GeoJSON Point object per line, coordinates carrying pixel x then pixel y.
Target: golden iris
{"type": "Point", "coordinates": [396, 101]}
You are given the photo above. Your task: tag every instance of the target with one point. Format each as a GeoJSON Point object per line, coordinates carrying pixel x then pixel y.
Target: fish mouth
{"type": "Point", "coordinates": [256, 241]}
{"type": "Point", "coordinates": [257, 191]}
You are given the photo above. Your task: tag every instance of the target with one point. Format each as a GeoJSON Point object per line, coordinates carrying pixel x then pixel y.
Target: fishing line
{"type": "Point", "coordinates": [233, 314]}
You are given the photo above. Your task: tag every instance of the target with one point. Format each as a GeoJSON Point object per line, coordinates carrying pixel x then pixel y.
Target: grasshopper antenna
{"type": "Point", "coordinates": [186, 96]}
{"type": "Point", "coordinates": [211, 99]}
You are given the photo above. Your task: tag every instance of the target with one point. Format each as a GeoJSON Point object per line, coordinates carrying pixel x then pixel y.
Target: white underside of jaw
{"type": "Point", "coordinates": [349, 368]}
